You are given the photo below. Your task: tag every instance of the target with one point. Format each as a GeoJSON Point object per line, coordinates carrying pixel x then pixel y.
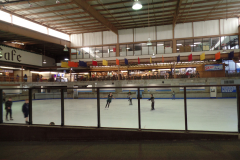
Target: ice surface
{"type": "Point", "coordinates": [203, 114]}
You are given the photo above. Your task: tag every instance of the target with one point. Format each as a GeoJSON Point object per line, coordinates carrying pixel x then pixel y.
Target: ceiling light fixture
{"type": "Point", "coordinates": [66, 59]}
{"type": "Point", "coordinates": [137, 5]}
{"type": "Point", "coordinates": [30, 5]}
{"type": "Point", "coordinates": [44, 61]}
{"type": "Point", "coordinates": [65, 48]}
{"type": "Point", "coordinates": [57, 1]}
{"type": "Point", "coordinates": [149, 43]}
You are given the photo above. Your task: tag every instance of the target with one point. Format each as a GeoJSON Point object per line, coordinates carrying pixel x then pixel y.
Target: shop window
{"type": "Point", "coordinates": [234, 42]}
{"type": "Point", "coordinates": [73, 54]}
{"type": "Point", "coordinates": [168, 47]}
{"type": "Point", "coordinates": [144, 49]}
{"type": "Point", "coordinates": [137, 49]}
{"type": "Point", "coordinates": [225, 42]}
{"type": "Point", "coordinates": [180, 46]}
{"type": "Point", "coordinates": [160, 48]}
{"type": "Point", "coordinates": [153, 48]}
{"type": "Point", "coordinates": [215, 43]}
{"type": "Point", "coordinates": [86, 52]}
{"type": "Point", "coordinates": [206, 44]}
{"type": "Point", "coordinates": [123, 50]}
{"type": "Point", "coordinates": [79, 53]}
{"type": "Point", "coordinates": [130, 50]}
{"type": "Point", "coordinates": [105, 51]}
{"type": "Point", "coordinates": [99, 52]}
{"type": "Point", "coordinates": [197, 45]}
{"type": "Point", "coordinates": [188, 45]}
{"type": "Point", "coordinates": [112, 51]}
{"type": "Point", "coordinates": [92, 52]}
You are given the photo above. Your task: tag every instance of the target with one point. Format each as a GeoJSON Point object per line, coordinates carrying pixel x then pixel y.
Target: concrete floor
{"type": "Point", "coordinates": [203, 114]}
{"type": "Point", "coordinates": [104, 150]}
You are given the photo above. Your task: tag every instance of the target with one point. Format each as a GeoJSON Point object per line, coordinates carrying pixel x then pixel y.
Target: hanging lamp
{"type": "Point", "coordinates": [137, 5]}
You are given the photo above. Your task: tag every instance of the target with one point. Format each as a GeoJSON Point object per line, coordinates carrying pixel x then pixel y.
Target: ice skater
{"type": "Point", "coordinates": [173, 95]}
{"type": "Point", "coordinates": [129, 98]}
{"type": "Point", "coordinates": [152, 100]}
{"type": "Point", "coordinates": [25, 110]}
{"type": "Point", "coordinates": [109, 100]}
{"type": "Point", "coordinates": [8, 108]}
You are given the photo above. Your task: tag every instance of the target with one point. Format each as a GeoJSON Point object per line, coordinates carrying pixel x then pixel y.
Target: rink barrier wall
{"type": "Point", "coordinates": [98, 102]}
{"type": "Point", "coordinates": [68, 133]}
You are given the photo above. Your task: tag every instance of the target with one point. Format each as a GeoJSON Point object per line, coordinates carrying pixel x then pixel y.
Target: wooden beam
{"type": "Point", "coordinates": [55, 11]}
{"type": "Point", "coordinates": [176, 12]}
{"type": "Point", "coordinates": [91, 11]}
{"type": "Point", "coordinates": [66, 19]}
{"type": "Point", "coordinates": [91, 20]}
{"type": "Point", "coordinates": [62, 15]}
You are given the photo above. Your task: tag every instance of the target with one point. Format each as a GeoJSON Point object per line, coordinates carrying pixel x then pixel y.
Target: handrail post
{"type": "Point", "coordinates": [30, 105]}
{"type": "Point", "coordinates": [185, 109]}
{"type": "Point", "coordinates": [98, 109]}
{"type": "Point", "coordinates": [139, 110]}
{"type": "Point", "coordinates": [1, 106]}
{"type": "Point", "coordinates": [238, 107]}
{"type": "Point", "coordinates": [62, 107]}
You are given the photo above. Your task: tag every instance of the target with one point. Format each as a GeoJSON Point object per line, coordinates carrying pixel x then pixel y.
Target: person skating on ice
{"type": "Point", "coordinates": [25, 110]}
{"type": "Point", "coordinates": [109, 100]}
{"type": "Point", "coordinates": [173, 95]}
{"type": "Point", "coordinates": [152, 100]}
{"type": "Point", "coordinates": [8, 108]}
{"type": "Point", "coordinates": [129, 98]}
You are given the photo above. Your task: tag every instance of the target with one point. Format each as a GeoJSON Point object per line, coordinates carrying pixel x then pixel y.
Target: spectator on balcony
{"type": "Point", "coordinates": [197, 75]}
{"type": "Point", "coordinates": [25, 78]}
{"type": "Point", "coordinates": [188, 74]}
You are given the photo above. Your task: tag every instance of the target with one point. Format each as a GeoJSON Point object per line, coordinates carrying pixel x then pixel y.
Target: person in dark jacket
{"type": "Point", "coordinates": [129, 98]}
{"type": "Point", "coordinates": [8, 108]}
{"type": "Point", "coordinates": [152, 100]}
{"type": "Point", "coordinates": [4, 97]}
{"type": "Point", "coordinates": [109, 100]}
{"type": "Point", "coordinates": [25, 109]}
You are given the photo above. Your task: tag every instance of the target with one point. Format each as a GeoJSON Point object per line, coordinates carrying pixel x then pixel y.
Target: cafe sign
{"type": "Point", "coordinates": [9, 54]}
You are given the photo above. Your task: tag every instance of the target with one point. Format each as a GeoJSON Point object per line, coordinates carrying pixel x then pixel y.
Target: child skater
{"type": "Point", "coordinates": [109, 100]}
{"type": "Point", "coordinates": [173, 95]}
{"type": "Point", "coordinates": [152, 100]}
{"type": "Point", "coordinates": [129, 98]}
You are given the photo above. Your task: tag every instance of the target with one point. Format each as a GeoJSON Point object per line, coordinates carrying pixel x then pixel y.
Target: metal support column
{"type": "Point", "coordinates": [139, 111]}
{"type": "Point", "coordinates": [185, 109]}
{"type": "Point", "coordinates": [98, 109]}
{"type": "Point", "coordinates": [1, 106]}
{"type": "Point", "coordinates": [238, 107]}
{"type": "Point", "coordinates": [30, 105]}
{"type": "Point", "coordinates": [62, 107]}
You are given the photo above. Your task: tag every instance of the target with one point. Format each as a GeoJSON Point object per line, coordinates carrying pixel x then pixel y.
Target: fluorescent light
{"type": "Point", "coordinates": [177, 49]}
{"type": "Point", "coordinates": [197, 42]}
{"type": "Point", "coordinates": [179, 44]}
{"type": "Point", "coordinates": [192, 45]}
{"type": "Point", "coordinates": [44, 61]}
{"type": "Point", "coordinates": [10, 67]}
{"type": "Point", "coordinates": [124, 71]}
{"type": "Point", "coordinates": [66, 59]}
{"type": "Point", "coordinates": [127, 48]}
{"type": "Point", "coordinates": [160, 44]}
{"type": "Point", "coordinates": [137, 5]}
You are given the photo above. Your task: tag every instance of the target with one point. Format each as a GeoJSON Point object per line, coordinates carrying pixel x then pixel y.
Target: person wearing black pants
{"type": "Point", "coordinates": [109, 100]}
{"type": "Point", "coordinates": [129, 98]}
{"type": "Point", "coordinates": [152, 100]}
{"type": "Point", "coordinates": [25, 110]}
{"type": "Point", "coordinates": [8, 107]}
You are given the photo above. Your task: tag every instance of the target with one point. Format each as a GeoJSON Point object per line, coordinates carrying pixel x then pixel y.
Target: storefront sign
{"type": "Point", "coordinates": [228, 89]}
{"type": "Point", "coordinates": [213, 67]}
{"type": "Point", "coordinates": [18, 56]}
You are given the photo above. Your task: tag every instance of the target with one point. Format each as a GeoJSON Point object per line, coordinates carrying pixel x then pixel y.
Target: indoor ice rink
{"type": "Point", "coordinates": [202, 114]}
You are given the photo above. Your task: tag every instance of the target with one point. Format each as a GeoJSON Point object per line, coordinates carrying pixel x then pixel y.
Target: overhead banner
{"type": "Point", "coordinates": [14, 55]}
{"type": "Point", "coordinates": [214, 67]}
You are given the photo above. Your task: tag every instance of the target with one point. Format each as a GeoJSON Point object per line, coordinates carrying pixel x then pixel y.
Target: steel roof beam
{"type": "Point", "coordinates": [176, 12]}
{"type": "Point", "coordinates": [95, 14]}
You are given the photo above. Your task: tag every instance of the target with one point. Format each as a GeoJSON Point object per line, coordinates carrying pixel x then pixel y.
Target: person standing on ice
{"type": "Point", "coordinates": [129, 98]}
{"type": "Point", "coordinates": [25, 110]}
{"type": "Point", "coordinates": [173, 95]}
{"type": "Point", "coordinates": [152, 100]}
{"type": "Point", "coordinates": [109, 100]}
